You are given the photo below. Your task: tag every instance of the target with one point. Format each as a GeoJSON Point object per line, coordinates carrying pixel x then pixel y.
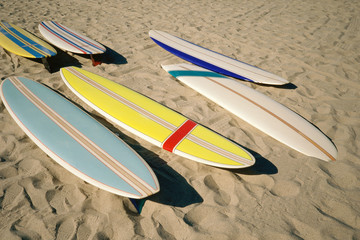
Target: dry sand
{"type": "Point", "coordinates": [286, 195]}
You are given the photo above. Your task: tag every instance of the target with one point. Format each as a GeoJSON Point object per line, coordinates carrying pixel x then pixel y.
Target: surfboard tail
{"type": "Point", "coordinates": [138, 204]}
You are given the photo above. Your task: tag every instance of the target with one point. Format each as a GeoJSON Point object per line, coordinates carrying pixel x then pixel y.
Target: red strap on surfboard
{"type": "Point", "coordinates": [177, 136]}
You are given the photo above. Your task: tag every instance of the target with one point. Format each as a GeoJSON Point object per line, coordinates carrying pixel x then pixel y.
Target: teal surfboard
{"type": "Point", "coordinates": [77, 141]}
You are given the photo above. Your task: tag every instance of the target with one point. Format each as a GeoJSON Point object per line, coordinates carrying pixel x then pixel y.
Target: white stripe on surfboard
{"type": "Point", "coordinates": [79, 36]}
{"type": "Point", "coordinates": [142, 187]}
{"type": "Point", "coordinates": [161, 121]}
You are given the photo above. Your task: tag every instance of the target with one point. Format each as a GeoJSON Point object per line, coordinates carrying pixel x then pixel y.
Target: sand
{"type": "Point", "coordinates": [286, 195]}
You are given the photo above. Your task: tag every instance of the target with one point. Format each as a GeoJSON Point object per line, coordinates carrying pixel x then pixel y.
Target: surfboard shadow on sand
{"type": "Point", "coordinates": [261, 166]}
{"type": "Point", "coordinates": [174, 189]}
{"type": "Point", "coordinates": [55, 63]}
{"type": "Point", "coordinates": [288, 86]}
{"type": "Point", "coordinates": [108, 57]}
{"type": "Point", "coordinates": [112, 57]}
{"type": "Point", "coordinates": [65, 59]}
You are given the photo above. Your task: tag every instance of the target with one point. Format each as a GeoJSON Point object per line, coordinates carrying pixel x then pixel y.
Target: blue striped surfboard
{"type": "Point", "coordinates": [77, 141]}
{"type": "Point", "coordinates": [214, 61]}
{"type": "Point", "coordinates": [69, 40]}
{"type": "Point", "coordinates": [22, 43]}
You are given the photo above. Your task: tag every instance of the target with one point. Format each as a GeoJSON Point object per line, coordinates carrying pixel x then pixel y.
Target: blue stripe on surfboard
{"type": "Point", "coordinates": [27, 48]}
{"type": "Point", "coordinates": [79, 38]}
{"type": "Point", "coordinates": [19, 43]}
{"type": "Point", "coordinates": [194, 73]}
{"type": "Point", "coordinates": [65, 39]}
{"type": "Point", "coordinates": [199, 62]}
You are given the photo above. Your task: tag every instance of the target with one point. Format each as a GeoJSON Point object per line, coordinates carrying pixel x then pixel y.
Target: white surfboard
{"type": "Point", "coordinates": [70, 40]}
{"type": "Point", "coordinates": [257, 109]}
{"type": "Point", "coordinates": [214, 61]}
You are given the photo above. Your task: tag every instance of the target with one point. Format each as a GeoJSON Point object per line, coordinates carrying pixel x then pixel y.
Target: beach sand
{"type": "Point", "coordinates": [285, 195]}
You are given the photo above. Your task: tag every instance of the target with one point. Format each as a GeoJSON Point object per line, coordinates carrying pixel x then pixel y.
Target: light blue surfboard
{"type": "Point", "coordinates": [77, 141]}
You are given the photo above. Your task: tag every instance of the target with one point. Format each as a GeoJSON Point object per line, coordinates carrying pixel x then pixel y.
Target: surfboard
{"type": "Point", "coordinates": [155, 122]}
{"type": "Point", "coordinates": [257, 109]}
{"type": "Point", "coordinates": [214, 61]}
{"type": "Point", "coordinates": [77, 141]}
{"type": "Point", "coordinates": [22, 43]}
{"type": "Point", "coordinates": [70, 40]}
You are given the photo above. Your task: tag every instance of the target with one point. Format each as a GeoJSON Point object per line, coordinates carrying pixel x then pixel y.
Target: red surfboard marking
{"type": "Point", "coordinates": [178, 135]}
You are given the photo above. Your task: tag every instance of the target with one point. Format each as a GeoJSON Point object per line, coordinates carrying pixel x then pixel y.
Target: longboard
{"type": "Point", "coordinates": [70, 40]}
{"type": "Point", "coordinates": [214, 61]}
{"type": "Point", "coordinates": [22, 43]}
{"type": "Point", "coordinates": [77, 141]}
{"type": "Point", "coordinates": [155, 122]}
{"type": "Point", "coordinates": [257, 109]}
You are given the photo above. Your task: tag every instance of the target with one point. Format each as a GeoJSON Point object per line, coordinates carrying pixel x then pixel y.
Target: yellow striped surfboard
{"type": "Point", "coordinates": [154, 122]}
{"type": "Point", "coordinates": [20, 42]}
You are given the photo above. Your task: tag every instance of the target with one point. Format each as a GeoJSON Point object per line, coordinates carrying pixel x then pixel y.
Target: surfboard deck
{"type": "Point", "coordinates": [77, 141]}
{"type": "Point", "coordinates": [154, 122]}
{"type": "Point", "coordinates": [20, 42]}
{"type": "Point", "coordinates": [70, 40]}
{"type": "Point", "coordinates": [214, 61]}
{"type": "Point", "coordinates": [257, 109]}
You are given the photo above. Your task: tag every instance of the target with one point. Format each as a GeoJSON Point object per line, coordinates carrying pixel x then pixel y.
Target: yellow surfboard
{"type": "Point", "coordinates": [155, 122]}
{"type": "Point", "coordinates": [22, 43]}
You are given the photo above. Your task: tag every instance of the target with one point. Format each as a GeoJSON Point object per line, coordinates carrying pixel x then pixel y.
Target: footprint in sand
{"type": "Point", "coordinates": [338, 179]}
{"type": "Point", "coordinates": [298, 227]}
{"type": "Point", "coordinates": [286, 189]}
{"type": "Point", "coordinates": [65, 198]}
{"type": "Point", "coordinates": [67, 229]}
{"type": "Point", "coordinates": [344, 213]}
{"type": "Point", "coordinates": [8, 172]}
{"type": "Point", "coordinates": [13, 195]}
{"type": "Point", "coordinates": [221, 197]}
{"type": "Point", "coordinates": [35, 196]}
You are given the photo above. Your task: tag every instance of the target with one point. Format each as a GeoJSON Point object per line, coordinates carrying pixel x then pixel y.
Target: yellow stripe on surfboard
{"type": "Point", "coordinates": [216, 148]}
